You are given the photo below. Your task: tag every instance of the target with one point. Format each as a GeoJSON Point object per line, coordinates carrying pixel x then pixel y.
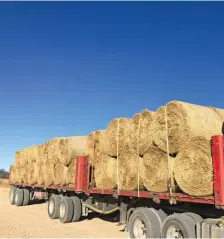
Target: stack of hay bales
{"type": "Point", "coordinates": [51, 163]}
{"type": "Point", "coordinates": [25, 168]}
{"type": "Point", "coordinates": [121, 146]}
{"type": "Point", "coordinates": [189, 129]}
{"type": "Point", "coordinates": [140, 136]}
{"type": "Point", "coordinates": [156, 151]}
{"type": "Point", "coordinates": [108, 146]}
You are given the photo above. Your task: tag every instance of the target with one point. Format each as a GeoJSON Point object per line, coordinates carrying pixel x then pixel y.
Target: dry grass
{"type": "Point", "coordinates": [184, 121]}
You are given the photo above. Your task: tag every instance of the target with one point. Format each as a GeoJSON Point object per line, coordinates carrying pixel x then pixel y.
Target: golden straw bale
{"type": "Point", "coordinates": [32, 154]}
{"type": "Point", "coordinates": [94, 145]}
{"type": "Point", "coordinates": [193, 168]}
{"type": "Point", "coordinates": [71, 175]}
{"type": "Point", "coordinates": [105, 172]}
{"type": "Point", "coordinates": [129, 165]}
{"type": "Point", "coordinates": [40, 173]}
{"type": "Point", "coordinates": [184, 121]}
{"type": "Point", "coordinates": [140, 131]}
{"type": "Point", "coordinates": [49, 174]}
{"type": "Point", "coordinates": [60, 174]}
{"type": "Point", "coordinates": [220, 112]}
{"type": "Point", "coordinates": [19, 174]}
{"type": "Point", "coordinates": [32, 173]}
{"type": "Point", "coordinates": [13, 174]}
{"type": "Point", "coordinates": [41, 154]}
{"type": "Point", "coordinates": [21, 157]}
{"type": "Point", "coordinates": [64, 149]}
{"type": "Point", "coordinates": [155, 170]}
{"type": "Point", "coordinates": [116, 136]}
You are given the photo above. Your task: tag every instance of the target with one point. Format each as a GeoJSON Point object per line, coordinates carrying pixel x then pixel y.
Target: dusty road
{"type": "Point", "coordinates": [33, 221]}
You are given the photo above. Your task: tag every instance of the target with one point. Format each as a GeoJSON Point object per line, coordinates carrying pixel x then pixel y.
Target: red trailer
{"type": "Point", "coordinates": [144, 214]}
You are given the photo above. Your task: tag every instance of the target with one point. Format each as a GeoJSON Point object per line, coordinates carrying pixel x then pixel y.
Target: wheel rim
{"type": "Point", "coordinates": [174, 232]}
{"type": "Point", "coordinates": [139, 229]}
{"type": "Point", "coordinates": [51, 207]}
{"type": "Point", "coordinates": [62, 210]}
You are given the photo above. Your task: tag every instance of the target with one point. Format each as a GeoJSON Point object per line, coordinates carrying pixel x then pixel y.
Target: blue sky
{"type": "Point", "coordinates": [69, 68]}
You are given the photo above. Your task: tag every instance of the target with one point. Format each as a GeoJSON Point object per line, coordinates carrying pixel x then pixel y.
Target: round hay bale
{"type": "Point", "coordinates": [21, 158]}
{"type": "Point", "coordinates": [40, 173]}
{"type": "Point", "coordinates": [49, 174]}
{"type": "Point", "coordinates": [140, 132]}
{"type": "Point", "coordinates": [184, 121]}
{"type": "Point", "coordinates": [41, 154]}
{"type": "Point", "coordinates": [65, 149]}
{"type": "Point", "coordinates": [116, 136]}
{"type": "Point", "coordinates": [105, 172]}
{"type": "Point", "coordinates": [94, 145]}
{"type": "Point", "coordinates": [155, 170]}
{"type": "Point", "coordinates": [13, 174]}
{"type": "Point", "coordinates": [220, 112]}
{"type": "Point", "coordinates": [32, 154]}
{"type": "Point", "coordinates": [71, 175]}
{"type": "Point", "coordinates": [91, 144]}
{"type": "Point", "coordinates": [193, 169]}
{"type": "Point", "coordinates": [32, 173]}
{"type": "Point", "coordinates": [50, 148]}
{"type": "Point", "coordinates": [18, 173]}
{"type": "Point", "coordinates": [129, 166]}
{"type": "Point", "coordinates": [18, 158]}
{"type": "Point", "coordinates": [23, 172]}
{"type": "Point", "coordinates": [60, 174]}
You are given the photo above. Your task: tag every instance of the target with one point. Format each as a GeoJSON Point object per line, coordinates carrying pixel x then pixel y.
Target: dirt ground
{"type": "Point", "coordinates": [32, 221]}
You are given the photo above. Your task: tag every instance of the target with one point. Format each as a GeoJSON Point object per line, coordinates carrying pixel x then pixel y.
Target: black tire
{"type": "Point", "coordinates": [194, 216]}
{"type": "Point", "coordinates": [12, 193]}
{"type": "Point", "coordinates": [53, 206]}
{"type": "Point", "coordinates": [182, 222]}
{"type": "Point", "coordinates": [19, 197]}
{"type": "Point", "coordinates": [149, 220]}
{"type": "Point", "coordinates": [66, 210]}
{"type": "Point", "coordinates": [162, 214]}
{"type": "Point", "coordinates": [26, 197]}
{"type": "Point", "coordinates": [77, 209]}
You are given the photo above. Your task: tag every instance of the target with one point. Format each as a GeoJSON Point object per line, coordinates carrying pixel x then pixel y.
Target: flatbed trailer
{"type": "Point", "coordinates": [144, 214]}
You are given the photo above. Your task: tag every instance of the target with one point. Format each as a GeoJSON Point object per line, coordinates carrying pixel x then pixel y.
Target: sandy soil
{"type": "Point", "coordinates": [32, 221]}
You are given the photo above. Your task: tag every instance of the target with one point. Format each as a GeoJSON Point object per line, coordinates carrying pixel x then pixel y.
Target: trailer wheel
{"type": "Point", "coordinates": [53, 206]}
{"type": "Point", "coordinates": [77, 209]}
{"type": "Point", "coordinates": [144, 223]}
{"type": "Point", "coordinates": [66, 210]}
{"type": "Point", "coordinates": [12, 193]}
{"type": "Point", "coordinates": [179, 226]}
{"type": "Point", "coordinates": [26, 197]}
{"type": "Point", "coordinates": [19, 197]}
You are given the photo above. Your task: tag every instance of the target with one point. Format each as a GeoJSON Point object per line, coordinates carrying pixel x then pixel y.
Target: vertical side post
{"type": "Point", "coordinates": [81, 174]}
{"type": "Point", "coordinates": [218, 169]}
{"type": "Point", "coordinates": [86, 175]}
